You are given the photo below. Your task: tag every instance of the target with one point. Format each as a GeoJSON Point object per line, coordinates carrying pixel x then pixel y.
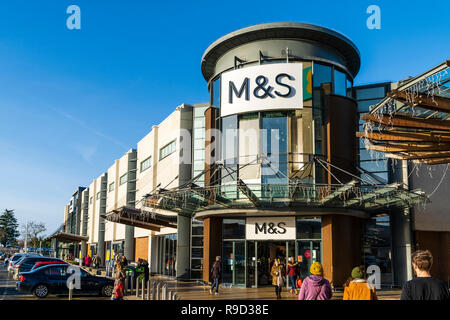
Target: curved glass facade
{"type": "Point", "coordinates": [276, 145]}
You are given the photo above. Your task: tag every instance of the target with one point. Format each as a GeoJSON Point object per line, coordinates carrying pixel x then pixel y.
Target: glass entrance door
{"type": "Point", "coordinates": [234, 264]}
{"type": "Point", "coordinates": [251, 264]}
{"type": "Point", "coordinates": [308, 252]}
{"type": "Point", "coordinates": [267, 252]}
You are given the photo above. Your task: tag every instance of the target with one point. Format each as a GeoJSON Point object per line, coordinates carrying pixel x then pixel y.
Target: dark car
{"type": "Point", "coordinates": [52, 279]}
{"type": "Point", "coordinates": [16, 258]}
{"type": "Point", "coordinates": [27, 263]}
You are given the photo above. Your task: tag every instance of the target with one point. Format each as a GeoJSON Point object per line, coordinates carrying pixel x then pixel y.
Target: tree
{"type": "Point", "coordinates": [8, 228]}
{"type": "Point", "coordinates": [34, 231]}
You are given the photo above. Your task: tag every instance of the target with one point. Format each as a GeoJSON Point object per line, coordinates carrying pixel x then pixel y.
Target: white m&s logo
{"type": "Point", "coordinates": [258, 88]}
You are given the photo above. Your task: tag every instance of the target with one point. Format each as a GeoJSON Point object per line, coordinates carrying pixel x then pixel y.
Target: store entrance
{"type": "Point", "coordinates": [248, 263]}
{"type": "Point", "coordinates": [268, 251]}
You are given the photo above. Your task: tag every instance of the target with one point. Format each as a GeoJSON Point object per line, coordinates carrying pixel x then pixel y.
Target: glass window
{"type": "Point", "coordinates": [309, 228]}
{"type": "Point", "coordinates": [199, 165]}
{"type": "Point", "coordinates": [216, 93]}
{"type": "Point", "coordinates": [197, 228]}
{"type": "Point", "coordinates": [339, 83]}
{"type": "Point", "coordinates": [230, 139]}
{"type": "Point", "coordinates": [197, 252]}
{"type": "Point", "coordinates": [147, 163]}
{"type": "Point", "coordinates": [321, 75]}
{"type": "Point", "coordinates": [197, 241]}
{"type": "Point", "coordinates": [123, 179]}
{"type": "Point", "coordinates": [199, 123]}
{"type": "Point", "coordinates": [199, 133]}
{"type": "Point", "coordinates": [98, 195]}
{"type": "Point", "coordinates": [91, 199]}
{"type": "Point", "coordinates": [233, 228]}
{"type": "Point", "coordinates": [199, 112]}
{"type": "Point", "coordinates": [199, 154]}
{"type": "Point", "coordinates": [274, 145]}
{"type": "Point", "coordinates": [376, 238]}
{"type": "Point", "coordinates": [197, 264]}
{"type": "Point", "coordinates": [199, 144]}
{"type": "Point", "coordinates": [56, 272]}
{"type": "Point", "coordinates": [370, 93]}
{"type": "Point", "coordinates": [349, 88]}
{"type": "Point", "coordinates": [363, 106]}
{"type": "Point", "coordinates": [111, 186]}
{"type": "Point", "coordinates": [364, 155]}
{"type": "Point", "coordinates": [167, 150]}
{"type": "Point", "coordinates": [374, 165]}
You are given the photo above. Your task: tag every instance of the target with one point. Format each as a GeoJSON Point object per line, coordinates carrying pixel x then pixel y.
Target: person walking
{"type": "Point", "coordinates": [291, 272]}
{"type": "Point", "coordinates": [357, 287]}
{"type": "Point", "coordinates": [119, 278]}
{"type": "Point", "coordinates": [87, 261]}
{"type": "Point", "coordinates": [216, 271]}
{"type": "Point", "coordinates": [424, 286]}
{"type": "Point", "coordinates": [277, 277]}
{"type": "Point", "coordinates": [96, 261]}
{"type": "Point", "coordinates": [315, 287]}
{"type": "Point", "coordinates": [144, 264]}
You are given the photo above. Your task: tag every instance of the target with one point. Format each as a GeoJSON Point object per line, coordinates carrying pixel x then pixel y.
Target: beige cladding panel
{"type": "Point", "coordinates": [171, 129]}
{"type": "Point", "coordinates": [111, 200]}
{"type": "Point", "coordinates": [66, 214]}
{"type": "Point", "coordinates": [91, 213]}
{"type": "Point", "coordinates": [97, 206]}
{"type": "Point", "coordinates": [145, 149]}
{"type": "Point", "coordinates": [140, 232]}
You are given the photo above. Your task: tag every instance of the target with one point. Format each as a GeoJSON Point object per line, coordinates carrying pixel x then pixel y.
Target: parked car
{"type": "Point", "coordinates": [16, 258]}
{"type": "Point", "coordinates": [27, 262]}
{"type": "Point", "coordinates": [52, 279]}
{"type": "Point", "coordinates": [44, 263]}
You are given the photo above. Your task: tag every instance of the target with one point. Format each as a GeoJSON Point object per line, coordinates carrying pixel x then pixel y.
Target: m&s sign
{"type": "Point", "coordinates": [265, 87]}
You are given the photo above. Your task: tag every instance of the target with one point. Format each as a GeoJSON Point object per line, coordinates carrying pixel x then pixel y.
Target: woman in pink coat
{"type": "Point", "coordinates": [315, 287]}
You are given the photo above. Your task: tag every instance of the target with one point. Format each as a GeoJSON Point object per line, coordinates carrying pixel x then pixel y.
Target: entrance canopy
{"type": "Point", "coordinates": [68, 237]}
{"type": "Point", "coordinates": [413, 121]}
{"type": "Point", "coordinates": [295, 194]}
{"type": "Point", "coordinates": [140, 218]}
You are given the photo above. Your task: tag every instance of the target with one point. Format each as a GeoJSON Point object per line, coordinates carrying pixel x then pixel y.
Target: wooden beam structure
{"type": "Point", "coordinates": [424, 101]}
{"type": "Point", "coordinates": [433, 161]}
{"type": "Point", "coordinates": [412, 147]}
{"type": "Point", "coordinates": [388, 135]}
{"type": "Point", "coordinates": [407, 122]}
{"type": "Point", "coordinates": [417, 156]}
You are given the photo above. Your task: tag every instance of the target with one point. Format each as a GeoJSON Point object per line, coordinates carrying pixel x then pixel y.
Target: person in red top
{"type": "Point", "coordinates": [87, 261]}
{"type": "Point", "coordinates": [291, 271]}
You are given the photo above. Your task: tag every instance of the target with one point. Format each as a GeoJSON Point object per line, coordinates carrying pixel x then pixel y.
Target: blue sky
{"type": "Point", "coordinates": [72, 101]}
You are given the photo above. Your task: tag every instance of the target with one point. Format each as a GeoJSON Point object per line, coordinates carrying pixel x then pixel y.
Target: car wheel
{"type": "Point", "coordinates": [40, 291]}
{"type": "Point", "coordinates": [107, 290]}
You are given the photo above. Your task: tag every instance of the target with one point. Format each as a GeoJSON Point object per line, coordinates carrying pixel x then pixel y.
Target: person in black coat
{"type": "Point", "coordinates": [216, 271]}
{"type": "Point", "coordinates": [144, 264]}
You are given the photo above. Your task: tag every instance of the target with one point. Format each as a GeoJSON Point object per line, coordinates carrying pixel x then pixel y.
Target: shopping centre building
{"type": "Point", "coordinates": [269, 168]}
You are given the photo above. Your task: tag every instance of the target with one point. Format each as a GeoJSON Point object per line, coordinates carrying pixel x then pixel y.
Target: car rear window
{"type": "Point", "coordinates": [58, 271]}
{"type": "Point", "coordinates": [15, 258]}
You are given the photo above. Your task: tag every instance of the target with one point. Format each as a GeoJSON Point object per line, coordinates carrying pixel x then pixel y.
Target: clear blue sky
{"type": "Point", "coordinates": [72, 101]}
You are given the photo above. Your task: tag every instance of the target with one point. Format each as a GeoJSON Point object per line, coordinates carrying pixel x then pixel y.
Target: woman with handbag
{"type": "Point", "coordinates": [315, 287]}
{"type": "Point", "coordinates": [277, 277]}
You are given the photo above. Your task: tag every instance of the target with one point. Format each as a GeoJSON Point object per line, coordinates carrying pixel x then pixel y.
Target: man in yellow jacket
{"type": "Point", "coordinates": [357, 287]}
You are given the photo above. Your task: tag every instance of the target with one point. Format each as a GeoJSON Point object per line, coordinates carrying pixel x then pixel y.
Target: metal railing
{"type": "Point", "coordinates": [149, 290]}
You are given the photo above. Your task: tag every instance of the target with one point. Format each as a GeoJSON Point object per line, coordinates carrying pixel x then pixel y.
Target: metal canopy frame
{"type": "Point", "coordinates": [356, 194]}
{"type": "Point", "coordinates": [139, 218]}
